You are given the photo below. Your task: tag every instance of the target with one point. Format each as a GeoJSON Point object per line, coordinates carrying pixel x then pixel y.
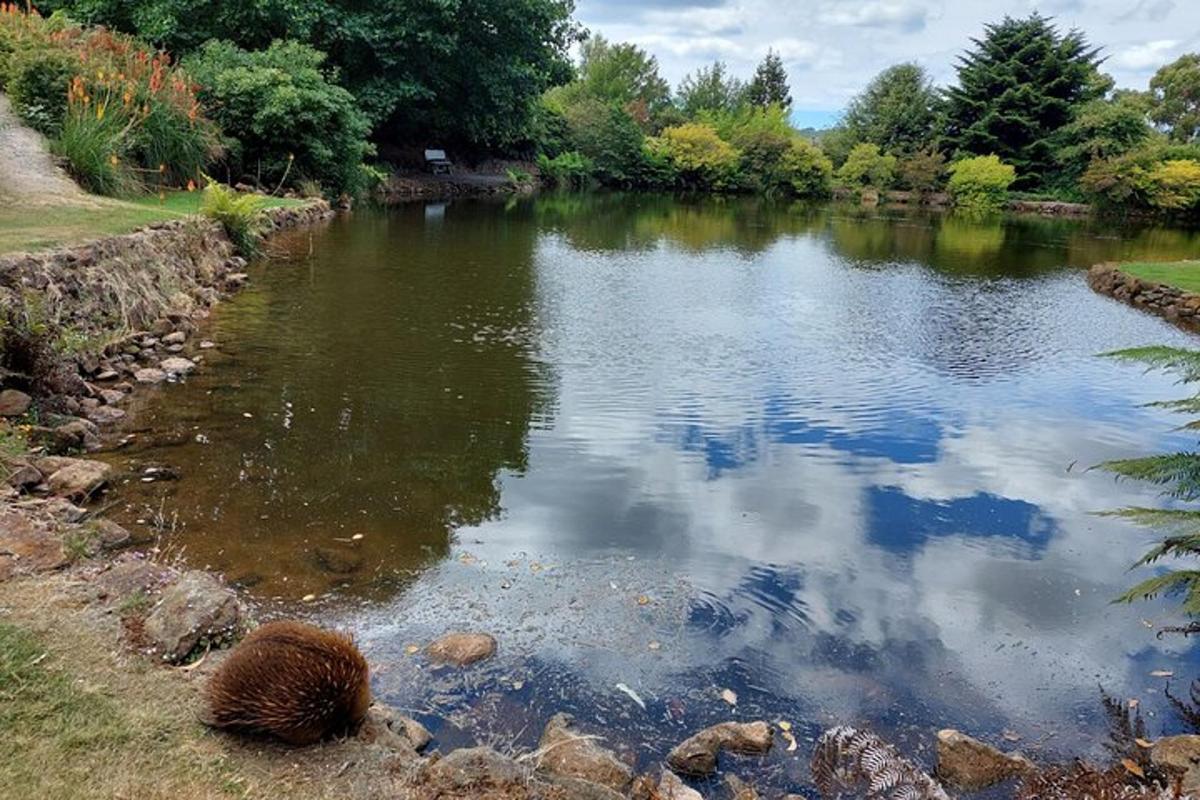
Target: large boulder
{"type": "Point", "coordinates": [77, 478]}
{"type": "Point", "coordinates": [14, 403]}
{"type": "Point", "coordinates": [697, 756]}
{"type": "Point", "coordinates": [569, 752]}
{"type": "Point", "coordinates": [195, 607]}
{"type": "Point", "coordinates": [461, 649]}
{"type": "Point", "coordinates": [970, 765]}
{"type": "Point", "coordinates": [1179, 756]}
{"type": "Point", "coordinates": [26, 547]}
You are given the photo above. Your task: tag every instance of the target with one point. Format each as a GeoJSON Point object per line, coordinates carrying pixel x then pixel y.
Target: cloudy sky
{"type": "Point", "coordinates": [833, 47]}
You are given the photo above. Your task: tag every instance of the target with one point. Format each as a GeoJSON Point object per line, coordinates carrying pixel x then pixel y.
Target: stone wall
{"type": "Point", "coordinates": [80, 302]}
{"type": "Point", "coordinates": [1175, 305]}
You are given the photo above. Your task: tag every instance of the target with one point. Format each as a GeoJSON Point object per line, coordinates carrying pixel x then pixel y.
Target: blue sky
{"type": "Point", "coordinates": [833, 47]}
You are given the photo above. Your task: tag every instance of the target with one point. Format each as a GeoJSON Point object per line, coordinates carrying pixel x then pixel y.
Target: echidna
{"type": "Point", "coordinates": [292, 681]}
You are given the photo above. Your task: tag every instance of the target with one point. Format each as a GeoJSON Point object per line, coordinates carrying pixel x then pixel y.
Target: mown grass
{"type": "Point", "coordinates": [28, 228]}
{"type": "Point", "coordinates": [1180, 274]}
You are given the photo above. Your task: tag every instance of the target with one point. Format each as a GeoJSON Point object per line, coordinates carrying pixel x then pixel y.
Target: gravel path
{"type": "Point", "coordinates": [27, 172]}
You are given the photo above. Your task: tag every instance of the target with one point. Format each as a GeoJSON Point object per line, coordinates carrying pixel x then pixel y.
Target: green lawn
{"type": "Point", "coordinates": [38, 228]}
{"type": "Point", "coordinates": [1180, 274]}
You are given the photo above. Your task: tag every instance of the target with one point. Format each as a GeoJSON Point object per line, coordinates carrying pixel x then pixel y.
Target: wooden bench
{"type": "Point", "coordinates": [436, 162]}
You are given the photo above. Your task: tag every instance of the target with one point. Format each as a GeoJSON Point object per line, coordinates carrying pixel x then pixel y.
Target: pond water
{"type": "Point", "coordinates": [834, 460]}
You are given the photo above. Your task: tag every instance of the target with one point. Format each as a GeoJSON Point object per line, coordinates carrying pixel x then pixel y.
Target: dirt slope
{"type": "Point", "coordinates": [27, 172]}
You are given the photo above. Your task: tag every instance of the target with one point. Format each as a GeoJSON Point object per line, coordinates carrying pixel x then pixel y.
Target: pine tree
{"type": "Point", "coordinates": [770, 83]}
{"type": "Point", "coordinates": [1020, 84]}
{"type": "Point", "coordinates": [899, 111]}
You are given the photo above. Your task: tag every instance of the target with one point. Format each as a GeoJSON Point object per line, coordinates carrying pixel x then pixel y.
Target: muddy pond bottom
{"type": "Point", "coordinates": [687, 462]}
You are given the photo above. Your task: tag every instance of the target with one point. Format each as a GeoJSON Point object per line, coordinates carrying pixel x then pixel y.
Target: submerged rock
{"type": "Point", "coordinates": [698, 755]}
{"type": "Point", "coordinates": [14, 403]}
{"type": "Point", "coordinates": [1179, 756]}
{"type": "Point", "coordinates": [568, 752]}
{"type": "Point", "coordinates": [967, 764]}
{"type": "Point", "coordinates": [462, 649]}
{"type": "Point", "coordinates": [196, 606]}
{"type": "Point", "coordinates": [176, 367]}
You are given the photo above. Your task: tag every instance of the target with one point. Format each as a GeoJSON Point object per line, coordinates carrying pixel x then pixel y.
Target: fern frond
{"type": "Point", "coordinates": [1178, 471]}
{"type": "Point", "coordinates": [847, 759]}
{"type": "Point", "coordinates": [1179, 520]}
{"type": "Point", "coordinates": [1188, 405]}
{"type": "Point", "coordinates": [1169, 583]}
{"type": "Point", "coordinates": [1174, 359]}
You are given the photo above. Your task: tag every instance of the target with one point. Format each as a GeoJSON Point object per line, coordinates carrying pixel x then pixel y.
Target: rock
{"type": "Point", "coordinates": [194, 607]}
{"type": "Point", "coordinates": [78, 434]}
{"type": "Point", "coordinates": [14, 403]}
{"type": "Point", "coordinates": [475, 768]}
{"type": "Point", "coordinates": [62, 510]}
{"type": "Point", "coordinates": [23, 475]}
{"type": "Point", "coordinates": [108, 375]}
{"type": "Point", "coordinates": [338, 560]}
{"type": "Point", "coordinates": [105, 415]}
{"type": "Point", "coordinates": [462, 649]}
{"type": "Point", "coordinates": [739, 789]}
{"type": "Point", "coordinates": [416, 734]}
{"type": "Point", "coordinates": [149, 375]}
{"type": "Point", "coordinates": [176, 367]}
{"type": "Point", "coordinates": [969, 765]}
{"type": "Point", "coordinates": [577, 789]}
{"type": "Point", "coordinates": [178, 337]}
{"type": "Point", "coordinates": [207, 345]}
{"type": "Point", "coordinates": [1179, 756]}
{"type": "Point", "coordinates": [112, 396]}
{"type": "Point", "coordinates": [110, 534]}
{"type": "Point", "coordinates": [671, 788]}
{"type": "Point", "coordinates": [569, 752]}
{"type": "Point", "coordinates": [79, 479]}
{"type": "Point", "coordinates": [26, 547]}
{"type": "Point", "coordinates": [129, 575]}
{"type": "Point", "coordinates": [698, 755]}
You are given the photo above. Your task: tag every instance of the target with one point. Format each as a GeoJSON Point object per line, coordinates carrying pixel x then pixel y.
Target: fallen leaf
{"type": "Point", "coordinates": [643, 600]}
{"type": "Point", "coordinates": [1144, 743]}
{"type": "Point", "coordinates": [785, 726]}
{"type": "Point", "coordinates": [412, 649]}
{"type": "Point", "coordinates": [1162, 673]}
{"type": "Point", "coordinates": [1011, 736]}
{"type": "Point", "coordinates": [1132, 768]}
{"type": "Point", "coordinates": [655, 645]}
{"type": "Point", "coordinates": [729, 696]}
{"type": "Point", "coordinates": [308, 598]}
{"type": "Point", "coordinates": [357, 537]}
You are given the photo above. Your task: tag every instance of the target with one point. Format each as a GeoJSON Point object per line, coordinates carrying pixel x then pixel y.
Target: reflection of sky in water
{"type": "Point", "coordinates": [853, 495]}
{"type": "Point", "coordinates": [842, 461]}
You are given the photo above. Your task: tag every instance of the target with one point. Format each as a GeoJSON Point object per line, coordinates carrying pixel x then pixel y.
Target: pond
{"type": "Point", "coordinates": [834, 460]}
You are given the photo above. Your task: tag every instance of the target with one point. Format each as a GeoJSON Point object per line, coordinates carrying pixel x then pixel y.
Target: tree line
{"type": "Point", "coordinates": [313, 90]}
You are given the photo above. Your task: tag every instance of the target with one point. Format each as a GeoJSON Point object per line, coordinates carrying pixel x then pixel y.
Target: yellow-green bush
{"type": "Point", "coordinates": [980, 184]}
{"type": "Point", "coordinates": [701, 156]}
{"type": "Point", "coordinates": [808, 169]}
{"type": "Point", "coordinates": [867, 166]}
{"type": "Point", "coordinates": [1175, 185]}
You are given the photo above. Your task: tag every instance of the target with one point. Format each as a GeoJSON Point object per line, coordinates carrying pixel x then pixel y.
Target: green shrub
{"type": "Point", "coordinates": [38, 82]}
{"type": "Point", "coordinates": [569, 170]}
{"type": "Point", "coordinates": [980, 184]}
{"type": "Point", "coordinates": [703, 159]}
{"type": "Point", "coordinates": [94, 150]}
{"type": "Point", "coordinates": [808, 169]}
{"type": "Point", "coordinates": [609, 137]}
{"type": "Point", "coordinates": [867, 166]}
{"type": "Point", "coordinates": [240, 214]}
{"type": "Point", "coordinates": [285, 117]}
{"type": "Point", "coordinates": [922, 172]}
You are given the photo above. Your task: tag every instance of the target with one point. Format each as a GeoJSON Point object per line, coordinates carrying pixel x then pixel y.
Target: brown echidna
{"type": "Point", "coordinates": [293, 681]}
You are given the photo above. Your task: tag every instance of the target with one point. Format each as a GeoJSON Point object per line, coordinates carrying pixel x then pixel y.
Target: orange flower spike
{"type": "Point", "coordinates": [191, 187]}
{"type": "Point", "coordinates": [114, 160]}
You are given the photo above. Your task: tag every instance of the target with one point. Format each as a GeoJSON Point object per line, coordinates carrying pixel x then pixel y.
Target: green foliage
{"type": "Point", "coordinates": [568, 170]}
{"type": "Point", "coordinates": [710, 89]}
{"type": "Point", "coordinates": [284, 116]}
{"type": "Point", "coordinates": [899, 111]}
{"type": "Point", "coordinates": [867, 166]}
{"type": "Point", "coordinates": [38, 81]}
{"type": "Point", "coordinates": [609, 138]}
{"type": "Point", "coordinates": [769, 86]}
{"type": "Point", "coordinates": [1179, 475]}
{"type": "Point", "coordinates": [922, 172]}
{"type": "Point", "coordinates": [702, 158]}
{"type": "Point", "coordinates": [980, 184]}
{"type": "Point", "coordinates": [623, 75]}
{"type": "Point", "coordinates": [808, 169]}
{"type": "Point", "coordinates": [1175, 98]}
{"type": "Point", "coordinates": [240, 214]}
{"type": "Point", "coordinates": [1016, 88]}
{"type": "Point", "coordinates": [467, 72]}
{"type": "Point", "coordinates": [1146, 179]}
{"type": "Point", "coordinates": [95, 153]}
{"type": "Point", "coordinates": [1102, 129]}
{"type": "Point", "coordinates": [1175, 186]}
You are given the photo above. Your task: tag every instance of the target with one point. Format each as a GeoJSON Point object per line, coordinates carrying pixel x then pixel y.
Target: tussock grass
{"type": "Point", "coordinates": [1180, 274]}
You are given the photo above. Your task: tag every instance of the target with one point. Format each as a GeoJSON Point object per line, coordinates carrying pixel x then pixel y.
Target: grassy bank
{"type": "Point", "coordinates": [28, 228]}
{"type": "Point", "coordinates": [1180, 274]}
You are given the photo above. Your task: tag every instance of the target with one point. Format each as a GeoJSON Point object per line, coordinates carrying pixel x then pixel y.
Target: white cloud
{"type": "Point", "coordinates": [1148, 56]}
{"type": "Point", "coordinates": [898, 14]}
